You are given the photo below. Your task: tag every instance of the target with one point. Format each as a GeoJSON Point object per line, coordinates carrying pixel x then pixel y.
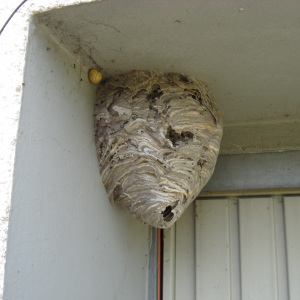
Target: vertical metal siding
{"type": "Point", "coordinates": [292, 228]}
{"type": "Point", "coordinates": [212, 250]}
{"type": "Point", "coordinates": [257, 249]}
{"type": "Point", "coordinates": [246, 248]}
{"type": "Point", "coordinates": [185, 256]}
{"type": "Point", "coordinates": [169, 264]}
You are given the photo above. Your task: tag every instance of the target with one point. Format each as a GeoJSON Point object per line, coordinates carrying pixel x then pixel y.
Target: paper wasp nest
{"type": "Point", "coordinates": [157, 137]}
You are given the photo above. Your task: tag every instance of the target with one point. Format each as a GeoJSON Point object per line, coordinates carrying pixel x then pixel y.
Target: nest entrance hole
{"type": "Point", "coordinates": [168, 215]}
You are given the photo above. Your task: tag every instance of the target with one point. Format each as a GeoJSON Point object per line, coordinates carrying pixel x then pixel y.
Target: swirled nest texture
{"type": "Point", "coordinates": [157, 137]}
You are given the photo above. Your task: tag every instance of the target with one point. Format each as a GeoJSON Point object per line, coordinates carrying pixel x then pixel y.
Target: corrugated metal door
{"type": "Point", "coordinates": [243, 248]}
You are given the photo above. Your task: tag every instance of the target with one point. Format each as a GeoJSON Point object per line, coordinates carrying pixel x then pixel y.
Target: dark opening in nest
{"type": "Point", "coordinates": [167, 214]}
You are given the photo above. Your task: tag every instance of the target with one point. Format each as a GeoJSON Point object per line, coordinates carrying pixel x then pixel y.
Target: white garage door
{"type": "Point", "coordinates": [243, 248]}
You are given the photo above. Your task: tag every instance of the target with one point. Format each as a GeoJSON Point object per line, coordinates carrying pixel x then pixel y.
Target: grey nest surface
{"type": "Point", "coordinates": [157, 138]}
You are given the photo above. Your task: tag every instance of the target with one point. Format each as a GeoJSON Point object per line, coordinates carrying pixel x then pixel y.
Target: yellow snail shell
{"type": "Point", "coordinates": [95, 76]}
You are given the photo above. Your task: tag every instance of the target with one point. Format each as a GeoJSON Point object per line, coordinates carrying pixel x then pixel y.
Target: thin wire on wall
{"type": "Point", "coordinates": [10, 17]}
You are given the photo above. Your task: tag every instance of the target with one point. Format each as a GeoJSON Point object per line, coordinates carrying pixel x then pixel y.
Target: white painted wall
{"type": "Point", "coordinates": [245, 52]}
{"type": "Point", "coordinates": [65, 240]}
{"type": "Point", "coordinates": [13, 43]}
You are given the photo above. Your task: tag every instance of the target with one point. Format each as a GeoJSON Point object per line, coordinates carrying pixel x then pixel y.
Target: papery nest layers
{"type": "Point", "coordinates": [157, 137]}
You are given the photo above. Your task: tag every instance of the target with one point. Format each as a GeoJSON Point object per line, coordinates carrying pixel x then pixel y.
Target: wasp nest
{"type": "Point", "coordinates": [157, 138]}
